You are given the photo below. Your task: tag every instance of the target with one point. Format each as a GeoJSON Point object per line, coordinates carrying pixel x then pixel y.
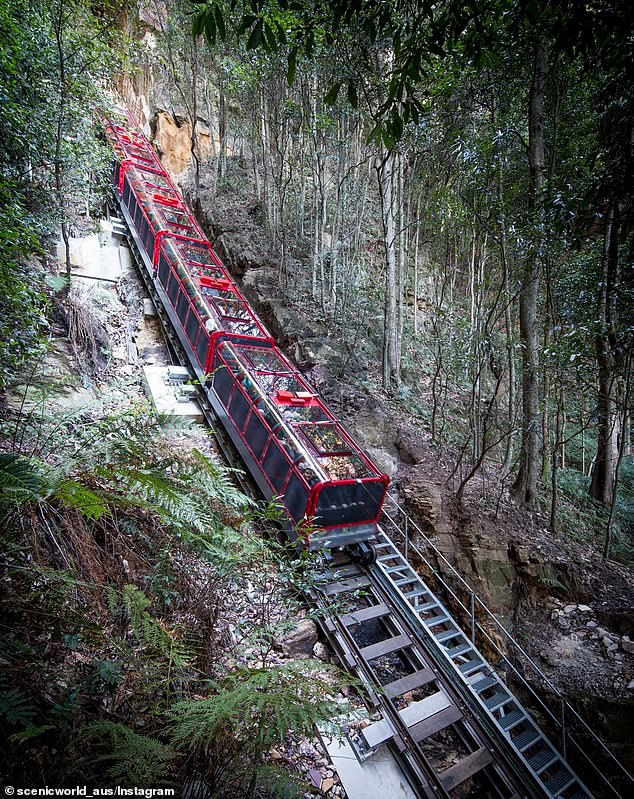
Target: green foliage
{"type": "Point", "coordinates": [259, 706]}
{"type": "Point", "coordinates": [149, 631]}
{"type": "Point", "coordinates": [132, 759]}
{"type": "Point", "coordinates": [16, 708]}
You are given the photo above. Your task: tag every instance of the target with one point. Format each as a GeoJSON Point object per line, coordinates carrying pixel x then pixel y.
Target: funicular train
{"type": "Point", "coordinates": [291, 443]}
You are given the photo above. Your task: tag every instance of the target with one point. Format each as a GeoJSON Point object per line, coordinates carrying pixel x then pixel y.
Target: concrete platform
{"type": "Point", "coordinates": [379, 776]}
{"type": "Point", "coordinates": [98, 256]}
{"type": "Point", "coordinates": [167, 390]}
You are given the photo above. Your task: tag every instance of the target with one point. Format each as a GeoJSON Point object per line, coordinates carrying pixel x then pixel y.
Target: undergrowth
{"type": "Point", "coordinates": [129, 653]}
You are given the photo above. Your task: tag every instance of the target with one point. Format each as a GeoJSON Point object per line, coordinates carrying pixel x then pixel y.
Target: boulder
{"type": "Point", "coordinates": [301, 640]}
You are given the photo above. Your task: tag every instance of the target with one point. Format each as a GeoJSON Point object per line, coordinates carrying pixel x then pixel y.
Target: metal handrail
{"type": "Point", "coordinates": [475, 625]}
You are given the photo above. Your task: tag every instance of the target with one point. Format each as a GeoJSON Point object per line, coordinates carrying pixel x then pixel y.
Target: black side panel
{"type": "Point", "coordinates": [295, 497]}
{"type": "Point", "coordinates": [348, 504]}
{"type": "Point", "coordinates": [182, 306]}
{"type": "Point", "coordinates": [192, 327]}
{"type": "Point", "coordinates": [239, 409]}
{"type": "Point", "coordinates": [202, 347]}
{"type": "Point", "coordinates": [164, 269]}
{"type": "Point", "coordinates": [222, 383]}
{"type": "Point", "coordinates": [275, 466]}
{"type": "Point", "coordinates": [172, 290]}
{"type": "Point", "coordinates": [257, 435]}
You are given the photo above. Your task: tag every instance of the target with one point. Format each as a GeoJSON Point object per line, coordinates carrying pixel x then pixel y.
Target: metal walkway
{"type": "Point", "coordinates": [457, 656]}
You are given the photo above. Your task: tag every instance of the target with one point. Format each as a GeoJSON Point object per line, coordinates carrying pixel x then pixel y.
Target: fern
{"type": "Point", "coordinates": [148, 630]}
{"type": "Point", "coordinates": [134, 759]}
{"type": "Point", "coordinates": [20, 481]}
{"type": "Point", "coordinates": [16, 708]}
{"type": "Point", "coordinates": [259, 707]}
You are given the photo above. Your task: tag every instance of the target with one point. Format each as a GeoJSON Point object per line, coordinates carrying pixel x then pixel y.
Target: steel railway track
{"type": "Point", "coordinates": [428, 688]}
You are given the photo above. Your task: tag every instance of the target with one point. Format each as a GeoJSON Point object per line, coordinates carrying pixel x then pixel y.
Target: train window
{"type": "Point", "coordinates": [304, 413]}
{"type": "Point", "coordinates": [275, 383]}
{"type": "Point", "coordinates": [182, 305]}
{"type": "Point", "coordinates": [193, 326]}
{"type": "Point", "coordinates": [295, 497]}
{"type": "Point", "coordinates": [163, 269]}
{"type": "Point", "coordinates": [210, 291]}
{"type": "Point", "coordinates": [207, 270]}
{"type": "Point", "coordinates": [197, 255]}
{"type": "Point", "coordinates": [346, 504]}
{"type": "Point", "coordinates": [325, 438]}
{"type": "Point", "coordinates": [269, 415]}
{"type": "Point", "coordinates": [275, 465]}
{"type": "Point", "coordinates": [175, 217]}
{"type": "Point", "coordinates": [345, 467]}
{"type": "Point", "coordinates": [232, 308]}
{"type": "Point", "coordinates": [223, 382]}
{"type": "Point", "coordinates": [239, 409]}
{"type": "Point", "coordinates": [308, 472]}
{"type": "Point", "coordinates": [241, 328]}
{"type": "Point", "coordinates": [264, 359]}
{"type": "Point", "coordinates": [288, 444]}
{"type": "Point", "coordinates": [251, 387]}
{"type": "Point", "coordinates": [156, 181]}
{"type": "Point", "coordinates": [256, 434]}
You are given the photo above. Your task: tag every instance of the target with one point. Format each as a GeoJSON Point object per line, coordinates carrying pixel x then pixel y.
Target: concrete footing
{"type": "Point", "coordinates": [379, 776]}
{"type": "Point", "coordinates": [170, 392]}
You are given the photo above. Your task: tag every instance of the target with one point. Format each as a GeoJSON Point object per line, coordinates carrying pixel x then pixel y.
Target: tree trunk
{"type": "Point", "coordinates": [525, 486]}
{"type": "Point", "coordinates": [609, 420]}
{"type": "Point", "coordinates": [391, 354]}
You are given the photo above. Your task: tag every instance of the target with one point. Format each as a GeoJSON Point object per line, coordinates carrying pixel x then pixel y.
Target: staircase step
{"type": "Point", "coordinates": [560, 780]}
{"type": "Point", "coordinates": [542, 759]}
{"type": "Point", "coordinates": [529, 737]}
{"type": "Point", "coordinates": [447, 635]}
{"type": "Point", "coordinates": [482, 685]}
{"type": "Point", "coordinates": [511, 719]}
{"type": "Point", "coordinates": [459, 650]}
{"type": "Point", "coordinates": [497, 700]}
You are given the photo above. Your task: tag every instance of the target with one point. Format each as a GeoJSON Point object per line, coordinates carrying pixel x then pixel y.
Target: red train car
{"type": "Point", "coordinates": [293, 446]}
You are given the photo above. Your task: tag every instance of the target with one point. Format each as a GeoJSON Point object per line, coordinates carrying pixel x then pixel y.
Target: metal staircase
{"type": "Point", "coordinates": [457, 652]}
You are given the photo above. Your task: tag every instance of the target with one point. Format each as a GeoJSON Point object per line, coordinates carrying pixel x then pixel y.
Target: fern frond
{"type": "Point", "coordinates": [148, 630]}
{"type": "Point", "coordinates": [259, 706]}
{"type": "Point", "coordinates": [134, 759]}
{"type": "Point", "coordinates": [20, 480]}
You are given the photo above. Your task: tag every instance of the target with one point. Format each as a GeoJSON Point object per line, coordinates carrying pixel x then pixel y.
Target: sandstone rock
{"type": "Point", "coordinates": [424, 501]}
{"type": "Point", "coordinates": [302, 638]}
{"type": "Point", "coordinates": [627, 645]}
{"type": "Point", "coordinates": [320, 651]}
{"type": "Point", "coordinates": [327, 784]}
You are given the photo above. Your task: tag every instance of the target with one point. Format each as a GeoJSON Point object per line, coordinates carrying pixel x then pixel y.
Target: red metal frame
{"type": "Point", "coordinates": [135, 153]}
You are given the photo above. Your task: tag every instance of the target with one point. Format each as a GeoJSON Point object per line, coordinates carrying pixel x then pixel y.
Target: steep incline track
{"type": "Point", "coordinates": [429, 690]}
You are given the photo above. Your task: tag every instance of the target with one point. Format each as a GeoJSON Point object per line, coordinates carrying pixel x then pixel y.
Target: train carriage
{"type": "Point", "coordinates": [293, 446]}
